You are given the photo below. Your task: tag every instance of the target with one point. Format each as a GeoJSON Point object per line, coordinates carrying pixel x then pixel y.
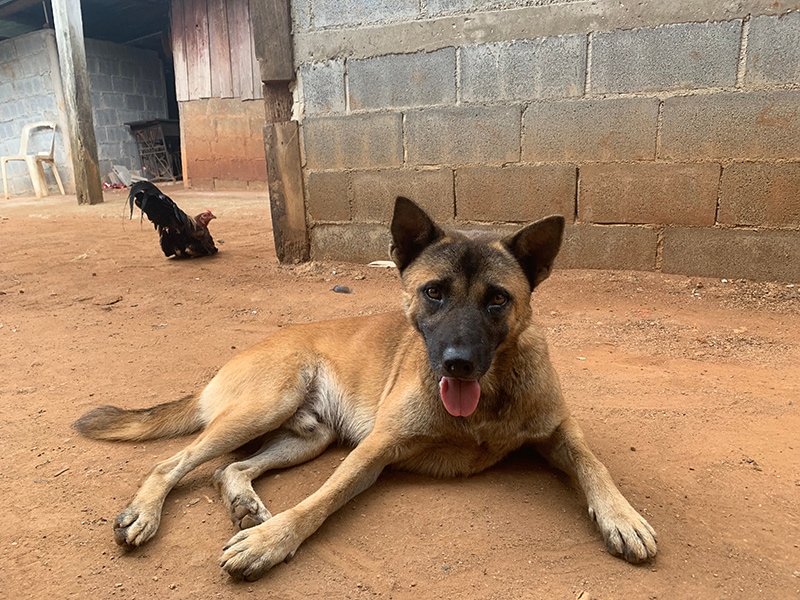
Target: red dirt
{"type": "Point", "coordinates": [687, 389]}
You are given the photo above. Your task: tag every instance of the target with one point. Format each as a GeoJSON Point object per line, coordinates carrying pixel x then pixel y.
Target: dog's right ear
{"type": "Point", "coordinates": [412, 231]}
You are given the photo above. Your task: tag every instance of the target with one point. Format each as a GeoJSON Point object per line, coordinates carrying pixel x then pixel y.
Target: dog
{"type": "Point", "coordinates": [447, 387]}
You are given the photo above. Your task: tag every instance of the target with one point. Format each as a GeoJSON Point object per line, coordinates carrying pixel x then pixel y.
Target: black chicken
{"type": "Point", "coordinates": [180, 235]}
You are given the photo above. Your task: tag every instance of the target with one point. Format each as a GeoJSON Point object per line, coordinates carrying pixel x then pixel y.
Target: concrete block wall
{"type": "Point", "coordinates": [126, 85]}
{"type": "Point", "coordinates": [27, 94]}
{"type": "Point", "coordinates": [224, 143]}
{"type": "Point", "coordinates": [669, 134]}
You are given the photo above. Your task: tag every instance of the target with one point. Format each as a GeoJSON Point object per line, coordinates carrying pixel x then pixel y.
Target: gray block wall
{"type": "Point", "coordinates": [27, 94]}
{"type": "Point", "coordinates": [642, 124]}
{"type": "Point", "coordinates": [126, 84]}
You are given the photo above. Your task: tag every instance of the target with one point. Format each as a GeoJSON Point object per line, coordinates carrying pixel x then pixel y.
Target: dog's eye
{"type": "Point", "coordinates": [433, 292]}
{"type": "Point", "coordinates": [499, 299]}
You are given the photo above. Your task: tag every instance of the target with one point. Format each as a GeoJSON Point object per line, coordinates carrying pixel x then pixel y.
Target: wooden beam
{"type": "Point", "coordinates": [272, 34]}
{"type": "Point", "coordinates": [285, 177]}
{"type": "Point", "coordinates": [272, 40]}
{"type": "Point", "coordinates": [277, 102]}
{"type": "Point", "coordinates": [178, 36]}
{"type": "Point", "coordinates": [75, 80]}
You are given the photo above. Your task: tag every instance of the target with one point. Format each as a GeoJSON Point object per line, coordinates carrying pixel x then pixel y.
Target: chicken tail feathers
{"type": "Point", "coordinates": [159, 208]}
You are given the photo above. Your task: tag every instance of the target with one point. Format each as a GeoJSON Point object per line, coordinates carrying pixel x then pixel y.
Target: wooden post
{"type": "Point", "coordinates": [75, 80]}
{"type": "Point", "coordinates": [272, 37]}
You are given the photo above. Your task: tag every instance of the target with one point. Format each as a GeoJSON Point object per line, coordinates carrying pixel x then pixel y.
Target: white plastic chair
{"type": "Point", "coordinates": [36, 161]}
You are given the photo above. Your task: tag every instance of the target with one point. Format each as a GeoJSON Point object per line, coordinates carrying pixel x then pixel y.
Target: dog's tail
{"type": "Point", "coordinates": [179, 417]}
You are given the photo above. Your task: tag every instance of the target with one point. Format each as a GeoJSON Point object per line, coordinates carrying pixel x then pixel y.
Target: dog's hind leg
{"type": "Point", "coordinates": [285, 448]}
{"type": "Point", "coordinates": [231, 428]}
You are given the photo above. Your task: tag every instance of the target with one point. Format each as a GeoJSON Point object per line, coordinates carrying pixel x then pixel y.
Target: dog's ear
{"type": "Point", "coordinates": [412, 231]}
{"type": "Point", "coordinates": [536, 247]}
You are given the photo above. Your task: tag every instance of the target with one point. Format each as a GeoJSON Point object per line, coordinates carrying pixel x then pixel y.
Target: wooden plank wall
{"type": "Point", "coordinates": [212, 45]}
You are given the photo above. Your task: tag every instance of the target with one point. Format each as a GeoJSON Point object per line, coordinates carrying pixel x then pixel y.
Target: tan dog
{"type": "Point", "coordinates": [448, 388]}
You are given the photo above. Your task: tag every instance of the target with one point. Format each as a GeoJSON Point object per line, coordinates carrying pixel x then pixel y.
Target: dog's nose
{"type": "Point", "coordinates": [458, 363]}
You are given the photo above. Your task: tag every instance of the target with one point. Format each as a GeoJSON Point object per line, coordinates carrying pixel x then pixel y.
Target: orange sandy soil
{"type": "Point", "coordinates": [687, 389]}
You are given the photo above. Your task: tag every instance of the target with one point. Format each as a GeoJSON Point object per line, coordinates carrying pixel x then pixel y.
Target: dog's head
{"type": "Point", "coordinates": [468, 293]}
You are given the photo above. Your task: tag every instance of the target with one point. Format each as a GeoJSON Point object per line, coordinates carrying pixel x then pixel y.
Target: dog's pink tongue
{"type": "Point", "coordinates": [460, 396]}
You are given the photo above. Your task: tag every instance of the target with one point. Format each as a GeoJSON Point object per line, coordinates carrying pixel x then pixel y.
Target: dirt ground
{"type": "Point", "coordinates": [687, 389]}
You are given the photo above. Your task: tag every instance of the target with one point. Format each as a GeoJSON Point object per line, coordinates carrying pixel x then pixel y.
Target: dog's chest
{"type": "Point", "coordinates": [465, 450]}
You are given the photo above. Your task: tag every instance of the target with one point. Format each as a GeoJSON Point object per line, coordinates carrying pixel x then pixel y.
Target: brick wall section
{"type": "Point", "coordinates": [27, 94]}
{"type": "Point", "coordinates": [615, 129]}
{"type": "Point", "coordinates": [374, 192]}
{"type": "Point", "coordinates": [522, 70]}
{"type": "Point", "coordinates": [766, 254]}
{"type": "Point", "coordinates": [761, 125]}
{"type": "Point", "coordinates": [760, 195]}
{"type": "Point", "coordinates": [224, 143]}
{"type": "Point", "coordinates": [773, 55]}
{"type": "Point", "coordinates": [515, 194]}
{"type": "Point", "coordinates": [649, 193]}
{"type": "Point", "coordinates": [402, 80]}
{"type": "Point", "coordinates": [673, 57]}
{"type": "Point", "coordinates": [126, 85]}
{"type": "Point", "coordinates": [659, 144]}
{"type": "Point", "coordinates": [463, 135]}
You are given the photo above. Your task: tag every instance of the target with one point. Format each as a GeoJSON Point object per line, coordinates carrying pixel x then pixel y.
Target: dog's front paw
{"type": "Point", "coordinates": [135, 526]}
{"type": "Point", "coordinates": [626, 532]}
{"type": "Point", "coordinates": [252, 552]}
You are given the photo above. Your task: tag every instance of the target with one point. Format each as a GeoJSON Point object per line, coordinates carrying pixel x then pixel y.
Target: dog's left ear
{"type": "Point", "coordinates": [536, 247]}
{"type": "Point", "coordinates": [412, 231]}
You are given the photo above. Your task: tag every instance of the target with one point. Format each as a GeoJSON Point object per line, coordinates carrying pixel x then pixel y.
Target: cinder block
{"type": "Point", "coordinates": [354, 141]}
{"type": "Point", "coordinates": [258, 186]}
{"type": "Point", "coordinates": [544, 68]}
{"type": "Point", "coordinates": [6, 91]}
{"type": "Point", "coordinates": [125, 85]}
{"type": "Point", "coordinates": [773, 50]}
{"type": "Point", "coordinates": [145, 88]}
{"type": "Point", "coordinates": [608, 247]}
{"type": "Point", "coordinates": [732, 125]}
{"type": "Point", "coordinates": [36, 64]}
{"type": "Point", "coordinates": [486, 135]}
{"type": "Point", "coordinates": [107, 66]}
{"type": "Point", "coordinates": [328, 196]}
{"type": "Point", "coordinates": [111, 100]}
{"type": "Point", "coordinates": [759, 194]}
{"type": "Point", "coordinates": [374, 192]}
{"type": "Point", "coordinates": [105, 117]}
{"type": "Point", "coordinates": [732, 253]}
{"type": "Point", "coordinates": [403, 80]}
{"type": "Point", "coordinates": [230, 184]}
{"type": "Point", "coordinates": [30, 43]}
{"type": "Point", "coordinates": [156, 104]}
{"type": "Point", "coordinates": [515, 193]}
{"type": "Point", "coordinates": [133, 102]}
{"type": "Point", "coordinates": [301, 15]}
{"type": "Point", "coordinates": [590, 130]}
{"type": "Point", "coordinates": [683, 56]}
{"type": "Point", "coordinates": [8, 51]}
{"type": "Point", "coordinates": [356, 242]}
{"type": "Point", "coordinates": [655, 193]}
{"type": "Point", "coordinates": [323, 87]}
{"type": "Point", "coordinates": [233, 127]}
{"type": "Point", "coordinates": [351, 12]}
{"type": "Point", "coordinates": [438, 7]}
